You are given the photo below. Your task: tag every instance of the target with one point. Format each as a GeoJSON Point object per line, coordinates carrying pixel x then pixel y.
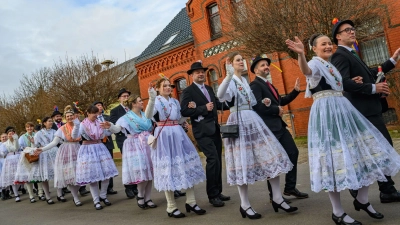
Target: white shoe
{"type": "Point", "coordinates": [17, 199]}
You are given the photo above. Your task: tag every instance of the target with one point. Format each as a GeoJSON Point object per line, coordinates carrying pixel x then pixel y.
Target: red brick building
{"type": "Point", "coordinates": [196, 34]}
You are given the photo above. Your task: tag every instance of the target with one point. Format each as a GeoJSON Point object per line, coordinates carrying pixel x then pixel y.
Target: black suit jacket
{"type": "Point", "coordinates": [109, 142]}
{"type": "Point", "coordinates": [270, 114]}
{"type": "Point", "coordinates": [207, 126]}
{"type": "Point", "coordinates": [359, 95]}
{"type": "Point", "coordinates": [54, 126]}
{"type": "Point", "coordinates": [115, 114]}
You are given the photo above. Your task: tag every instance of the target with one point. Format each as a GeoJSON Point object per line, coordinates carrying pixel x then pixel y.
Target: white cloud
{"type": "Point", "coordinates": [34, 34]}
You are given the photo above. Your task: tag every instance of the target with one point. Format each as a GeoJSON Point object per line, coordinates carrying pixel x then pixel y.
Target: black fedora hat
{"type": "Point", "coordinates": [336, 28]}
{"type": "Point", "coordinates": [9, 129]}
{"type": "Point", "coordinates": [256, 60]}
{"type": "Point", "coordinates": [196, 66]}
{"type": "Point", "coordinates": [98, 102]}
{"type": "Point", "coordinates": [123, 90]}
{"type": "Point", "coordinates": [55, 113]}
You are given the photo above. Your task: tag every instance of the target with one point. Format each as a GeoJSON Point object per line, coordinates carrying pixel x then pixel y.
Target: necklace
{"type": "Point", "coordinates": [331, 71]}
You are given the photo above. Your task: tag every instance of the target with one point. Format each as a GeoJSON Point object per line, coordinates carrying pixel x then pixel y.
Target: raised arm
{"type": "Point", "coordinates": [223, 87]}
{"type": "Point", "coordinates": [149, 112]}
{"type": "Point", "coordinates": [298, 47]}
{"type": "Point", "coordinates": [75, 132]}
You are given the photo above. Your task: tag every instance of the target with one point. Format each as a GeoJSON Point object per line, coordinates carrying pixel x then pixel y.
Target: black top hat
{"type": "Point", "coordinates": [97, 102]}
{"type": "Point", "coordinates": [256, 60]}
{"type": "Point", "coordinates": [123, 90]}
{"type": "Point", "coordinates": [336, 28]}
{"type": "Point", "coordinates": [55, 113]}
{"type": "Point", "coordinates": [196, 66]}
{"type": "Point", "coordinates": [9, 129]}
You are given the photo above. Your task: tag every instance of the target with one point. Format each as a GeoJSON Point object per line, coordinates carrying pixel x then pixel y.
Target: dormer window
{"type": "Point", "coordinates": [170, 39]}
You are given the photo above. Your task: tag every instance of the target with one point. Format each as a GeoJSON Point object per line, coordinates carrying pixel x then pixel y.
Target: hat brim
{"type": "Point", "coordinates": [253, 65]}
{"type": "Point", "coordinates": [200, 68]}
{"type": "Point", "coordinates": [336, 28]}
{"type": "Point", "coordinates": [119, 95]}
{"type": "Point", "coordinates": [95, 103]}
{"type": "Point", "coordinates": [55, 114]}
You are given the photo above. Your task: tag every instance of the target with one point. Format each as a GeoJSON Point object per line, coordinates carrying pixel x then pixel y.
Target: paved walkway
{"type": "Point", "coordinates": [314, 210]}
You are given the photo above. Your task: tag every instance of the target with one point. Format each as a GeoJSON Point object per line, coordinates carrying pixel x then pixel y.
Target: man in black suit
{"type": "Point", "coordinates": [269, 108]}
{"type": "Point", "coordinates": [107, 141]}
{"type": "Point", "coordinates": [199, 103]}
{"type": "Point", "coordinates": [57, 118]}
{"type": "Point", "coordinates": [366, 96]}
{"type": "Point", "coordinates": [115, 114]}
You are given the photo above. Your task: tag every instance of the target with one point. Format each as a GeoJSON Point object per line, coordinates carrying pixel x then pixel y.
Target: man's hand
{"type": "Point", "coordinates": [280, 111]}
{"type": "Point", "coordinates": [210, 106]}
{"type": "Point", "coordinates": [382, 88]}
{"type": "Point", "coordinates": [396, 55]}
{"type": "Point", "coordinates": [297, 85]}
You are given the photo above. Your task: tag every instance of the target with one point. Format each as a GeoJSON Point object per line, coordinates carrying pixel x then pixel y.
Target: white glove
{"type": "Point", "coordinates": [152, 94]}
{"type": "Point", "coordinates": [229, 70]}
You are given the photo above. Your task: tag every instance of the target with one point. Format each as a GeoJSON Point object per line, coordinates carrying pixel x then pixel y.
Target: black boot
{"type": "Point", "coordinates": [3, 194]}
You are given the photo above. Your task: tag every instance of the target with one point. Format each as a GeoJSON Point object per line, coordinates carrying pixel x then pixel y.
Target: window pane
{"type": "Point", "coordinates": [212, 76]}
{"type": "Point", "coordinates": [213, 9]}
{"type": "Point", "coordinates": [374, 52]}
{"type": "Point", "coordinates": [215, 25]}
{"type": "Point", "coordinates": [181, 84]}
{"type": "Point", "coordinates": [215, 87]}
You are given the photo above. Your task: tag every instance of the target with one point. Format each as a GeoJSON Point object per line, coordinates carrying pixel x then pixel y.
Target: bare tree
{"type": "Point", "coordinates": [263, 26]}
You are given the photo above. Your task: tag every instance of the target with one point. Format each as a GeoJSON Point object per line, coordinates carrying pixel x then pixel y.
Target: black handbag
{"type": "Point", "coordinates": [232, 130]}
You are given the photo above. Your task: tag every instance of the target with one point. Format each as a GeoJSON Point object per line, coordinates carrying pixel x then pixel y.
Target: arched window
{"type": "Point", "coordinates": [213, 80]}
{"type": "Point", "coordinates": [180, 85]}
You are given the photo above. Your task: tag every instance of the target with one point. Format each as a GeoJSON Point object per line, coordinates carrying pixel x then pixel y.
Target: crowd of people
{"type": "Point", "coordinates": [348, 143]}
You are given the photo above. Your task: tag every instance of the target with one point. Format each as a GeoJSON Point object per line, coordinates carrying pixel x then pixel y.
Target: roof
{"type": "Point", "coordinates": [179, 26]}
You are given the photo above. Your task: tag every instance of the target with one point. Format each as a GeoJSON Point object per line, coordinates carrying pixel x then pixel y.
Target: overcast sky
{"type": "Point", "coordinates": [33, 34]}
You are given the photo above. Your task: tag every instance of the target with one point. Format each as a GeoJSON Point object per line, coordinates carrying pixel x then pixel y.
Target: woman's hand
{"type": "Point", "coordinates": [152, 92]}
{"type": "Point", "coordinates": [37, 152]}
{"type": "Point", "coordinates": [105, 125]}
{"type": "Point", "coordinates": [229, 68]}
{"type": "Point", "coordinates": [266, 101]}
{"type": "Point", "coordinates": [192, 105]}
{"type": "Point", "coordinates": [358, 79]}
{"type": "Point", "coordinates": [296, 45]}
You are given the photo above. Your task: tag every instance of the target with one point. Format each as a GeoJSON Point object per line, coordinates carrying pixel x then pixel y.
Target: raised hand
{"type": "Point", "coordinates": [296, 45]}
{"type": "Point", "coordinates": [152, 93]}
{"type": "Point", "coordinates": [229, 68]}
{"type": "Point", "coordinates": [297, 85]}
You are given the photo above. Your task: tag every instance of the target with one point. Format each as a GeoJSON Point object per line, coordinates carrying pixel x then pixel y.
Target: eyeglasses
{"type": "Point", "coordinates": [347, 30]}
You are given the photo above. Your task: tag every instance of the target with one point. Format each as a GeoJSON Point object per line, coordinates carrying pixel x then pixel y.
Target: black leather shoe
{"type": "Point", "coordinates": [296, 193]}
{"type": "Point", "coordinates": [388, 198]}
{"type": "Point", "coordinates": [277, 206]}
{"type": "Point", "coordinates": [197, 211]}
{"type": "Point", "coordinates": [216, 202]}
{"type": "Point", "coordinates": [340, 221]}
{"type": "Point", "coordinates": [252, 217]}
{"type": "Point", "coordinates": [172, 214]}
{"type": "Point", "coordinates": [358, 206]}
{"type": "Point", "coordinates": [224, 197]}
{"type": "Point", "coordinates": [105, 201]}
{"type": "Point", "coordinates": [353, 193]}
{"type": "Point", "coordinates": [129, 193]}
{"type": "Point", "coordinates": [178, 194]}
{"type": "Point", "coordinates": [84, 192]}
{"type": "Point", "coordinates": [66, 191]}
{"type": "Point", "coordinates": [61, 199]}
{"type": "Point", "coordinates": [111, 192]}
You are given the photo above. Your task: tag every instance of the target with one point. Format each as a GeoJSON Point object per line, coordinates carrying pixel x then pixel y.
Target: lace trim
{"type": "Point", "coordinates": [327, 93]}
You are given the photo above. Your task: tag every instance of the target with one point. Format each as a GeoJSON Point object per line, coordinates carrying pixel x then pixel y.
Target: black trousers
{"type": "Point", "coordinates": [211, 146]}
{"type": "Point", "coordinates": [131, 186]}
{"type": "Point", "coordinates": [377, 121]}
{"type": "Point", "coordinates": [285, 138]}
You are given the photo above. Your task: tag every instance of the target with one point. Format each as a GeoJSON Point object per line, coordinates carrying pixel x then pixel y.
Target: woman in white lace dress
{"type": "Point", "coordinates": [43, 169]}
{"type": "Point", "coordinates": [94, 162]}
{"type": "Point", "coordinates": [23, 169]}
{"type": "Point", "coordinates": [12, 153]}
{"type": "Point", "coordinates": [137, 167]}
{"type": "Point", "coordinates": [256, 155]}
{"type": "Point", "coordinates": [345, 150]}
{"type": "Point", "coordinates": [176, 162]}
{"type": "Point", "coordinates": [65, 162]}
